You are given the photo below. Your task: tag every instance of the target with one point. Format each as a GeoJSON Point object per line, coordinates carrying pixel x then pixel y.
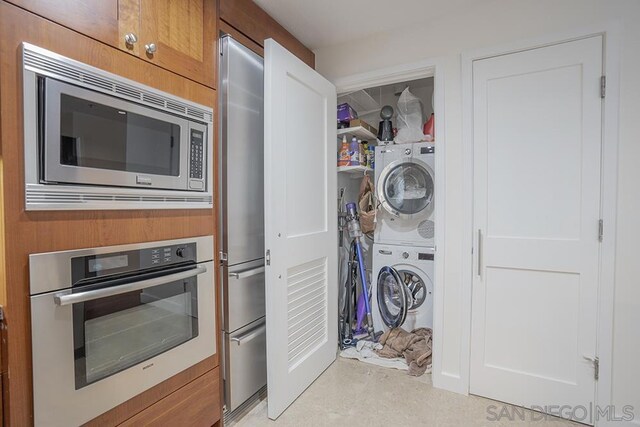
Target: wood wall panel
{"type": "Point", "coordinates": [33, 232]}
{"type": "Point", "coordinates": [248, 18]}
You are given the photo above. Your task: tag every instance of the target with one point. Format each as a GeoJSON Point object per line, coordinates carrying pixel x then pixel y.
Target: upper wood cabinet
{"type": "Point", "coordinates": [178, 35]}
{"type": "Point", "coordinates": [95, 18]}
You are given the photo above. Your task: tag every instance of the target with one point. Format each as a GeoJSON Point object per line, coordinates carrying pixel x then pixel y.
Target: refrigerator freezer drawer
{"type": "Point", "coordinates": [245, 363]}
{"type": "Point", "coordinates": [243, 294]}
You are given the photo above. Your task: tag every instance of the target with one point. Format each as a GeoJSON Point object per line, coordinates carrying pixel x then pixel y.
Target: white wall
{"type": "Point", "coordinates": [499, 22]}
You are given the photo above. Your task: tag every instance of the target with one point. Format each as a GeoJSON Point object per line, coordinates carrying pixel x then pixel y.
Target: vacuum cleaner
{"type": "Point", "coordinates": [356, 265]}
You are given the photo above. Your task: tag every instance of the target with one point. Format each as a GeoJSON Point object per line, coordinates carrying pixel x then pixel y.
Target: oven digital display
{"type": "Point", "coordinates": [108, 263]}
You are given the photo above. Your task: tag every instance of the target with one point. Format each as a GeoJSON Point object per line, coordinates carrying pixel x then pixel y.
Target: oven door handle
{"type": "Point", "coordinates": [67, 298]}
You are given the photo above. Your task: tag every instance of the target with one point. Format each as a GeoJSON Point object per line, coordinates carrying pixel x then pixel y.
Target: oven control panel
{"type": "Point", "coordinates": [92, 266]}
{"type": "Point", "coordinates": [167, 255]}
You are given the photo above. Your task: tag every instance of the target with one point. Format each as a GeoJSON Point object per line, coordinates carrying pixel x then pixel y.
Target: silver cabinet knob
{"type": "Point", "coordinates": [130, 38]}
{"type": "Point", "coordinates": [151, 48]}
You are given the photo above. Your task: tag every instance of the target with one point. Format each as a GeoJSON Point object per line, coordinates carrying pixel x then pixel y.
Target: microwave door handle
{"type": "Point", "coordinates": [247, 273]}
{"type": "Point", "coordinates": [67, 298]}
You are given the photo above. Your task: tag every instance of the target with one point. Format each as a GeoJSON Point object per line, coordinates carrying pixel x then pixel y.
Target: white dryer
{"type": "Point", "coordinates": [402, 287]}
{"type": "Point", "coordinates": [405, 184]}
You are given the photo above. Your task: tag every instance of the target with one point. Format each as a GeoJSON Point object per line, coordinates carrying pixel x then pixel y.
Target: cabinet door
{"type": "Point", "coordinates": [180, 36]}
{"type": "Point", "coordinates": [107, 21]}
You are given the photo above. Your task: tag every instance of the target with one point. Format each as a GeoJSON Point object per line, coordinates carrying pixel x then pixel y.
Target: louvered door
{"type": "Point", "coordinates": [300, 225]}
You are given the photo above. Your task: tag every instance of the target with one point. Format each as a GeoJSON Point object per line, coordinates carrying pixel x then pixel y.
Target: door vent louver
{"type": "Point", "coordinates": [306, 310]}
{"type": "Point", "coordinates": [53, 65]}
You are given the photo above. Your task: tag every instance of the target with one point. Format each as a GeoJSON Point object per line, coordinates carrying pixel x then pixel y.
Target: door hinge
{"type": "Point", "coordinates": [596, 366]}
{"type": "Point", "coordinates": [223, 256]}
{"type": "Point", "coordinates": [600, 230]}
{"type": "Point", "coordinates": [603, 86]}
{"type": "Point", "coordinates": [267, 257]}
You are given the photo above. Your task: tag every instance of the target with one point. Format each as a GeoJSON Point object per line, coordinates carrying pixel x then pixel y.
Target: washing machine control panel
{"type": "Point", "coordinates": [425, 256]}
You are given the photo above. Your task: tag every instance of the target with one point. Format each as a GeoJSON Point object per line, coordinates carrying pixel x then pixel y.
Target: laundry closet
{"type": "Point", "coordinates": [392, 180]}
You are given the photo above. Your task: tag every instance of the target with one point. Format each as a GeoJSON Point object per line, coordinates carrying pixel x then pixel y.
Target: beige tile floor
{"type": "Point", "coordinates": [354, 394]}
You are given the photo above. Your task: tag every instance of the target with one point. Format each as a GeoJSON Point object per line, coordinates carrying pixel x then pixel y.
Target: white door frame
{"type": "Point", "coordinates": [396, 74]}
{"type": "Point", "coordinates": [611, 62]}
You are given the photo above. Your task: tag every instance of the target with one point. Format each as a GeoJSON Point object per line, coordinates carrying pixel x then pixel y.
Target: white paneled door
{"type": "Point", "coordinates": [537, 151]}
{"type": "Point", "coordinates": [300, 225]}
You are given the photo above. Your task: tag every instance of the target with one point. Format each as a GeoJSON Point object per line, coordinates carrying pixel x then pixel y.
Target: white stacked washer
{"type": "Point", "coordinates": [405, 184]}
{"type": "Point", "coordinates": [402, 287]}
{"type": "Point", "coordinates": [403, 250]}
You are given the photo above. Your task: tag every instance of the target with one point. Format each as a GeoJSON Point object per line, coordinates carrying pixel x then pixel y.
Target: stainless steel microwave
{"type": "Point", "coordinates": [94, 140]}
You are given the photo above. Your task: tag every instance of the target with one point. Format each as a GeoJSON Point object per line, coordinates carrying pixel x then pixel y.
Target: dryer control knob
{"type": "Point", "coordinates": [405, 255]}
{"type": "Point", "coordinates": [407, 151]}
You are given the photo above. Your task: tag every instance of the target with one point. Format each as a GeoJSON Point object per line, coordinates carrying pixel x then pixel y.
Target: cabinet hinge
{"type": "Point", "coordinates": [600, 230]}
{"type": "Point", "coordinates": [267, 257]}
{"type": "Point", "coordinates": [603, 86]}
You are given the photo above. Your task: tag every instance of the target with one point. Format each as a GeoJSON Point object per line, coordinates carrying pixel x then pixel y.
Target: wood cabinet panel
{"type": "Point", "coordinates": [33, 232]}
{"type": "Point", "coordinates": [248, 18]}
{"type": "Point", "coordinates": [196, 404]}
{"type": "Point", "coordinates": [95, 18]}
{"type": "Point", "coordinates": [184, 36]}
{"type": "Point", "coordinates": [246, 41]}
{"type": "Point", "coordinates": [140, 403]}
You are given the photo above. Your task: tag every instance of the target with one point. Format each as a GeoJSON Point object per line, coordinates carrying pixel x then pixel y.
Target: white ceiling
{"type": "Point", "coordinates": [321, 23]}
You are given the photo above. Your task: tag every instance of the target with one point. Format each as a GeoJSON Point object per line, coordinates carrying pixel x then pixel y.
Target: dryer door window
{"type": "Point", "coordinates": [393, 297]}
{"type": "Point", "coordinates": [408, 188]}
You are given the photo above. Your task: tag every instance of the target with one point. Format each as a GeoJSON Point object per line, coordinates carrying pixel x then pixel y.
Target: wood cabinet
{"type": "Point", "coordinates": [179, 36]}
{"type": "Point", "coordinates": [249, 19]}
{"type": "Point", "coordinates": [196, 404]}
{"type": "Point", "coordinates": [95, 18]}
{"type": "Point", "coordinates": [29, 232]}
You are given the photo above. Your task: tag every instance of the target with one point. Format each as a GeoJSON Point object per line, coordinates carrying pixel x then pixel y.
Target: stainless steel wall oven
{"type": "Point", "coordinates": [109, 323]}
{"type": "Point", "coordinates": [94, 140]}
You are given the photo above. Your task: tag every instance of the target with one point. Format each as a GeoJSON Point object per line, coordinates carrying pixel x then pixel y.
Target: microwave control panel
{"type": "Point", "coordinates": [197, 155]}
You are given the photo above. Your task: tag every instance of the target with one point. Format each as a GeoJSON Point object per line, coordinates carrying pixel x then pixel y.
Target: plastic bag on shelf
{"type": "Point", "coordinates": [409, 119]}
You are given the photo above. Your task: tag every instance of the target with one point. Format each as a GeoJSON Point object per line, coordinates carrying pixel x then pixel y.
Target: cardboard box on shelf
{"type": "Point", "coordinates": [359, 122]}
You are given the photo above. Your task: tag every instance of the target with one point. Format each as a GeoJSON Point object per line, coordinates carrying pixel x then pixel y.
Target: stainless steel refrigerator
{"type": "Point", "coordinates": [241, 225]}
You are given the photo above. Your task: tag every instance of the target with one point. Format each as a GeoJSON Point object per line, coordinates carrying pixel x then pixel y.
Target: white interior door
{"type": "Point", "coordinates": [537, 142]}
{"type": "Point", "coordinates": [300, 225]}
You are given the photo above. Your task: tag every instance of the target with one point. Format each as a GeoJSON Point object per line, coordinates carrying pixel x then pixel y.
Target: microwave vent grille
{"type": "Point", "coordinates": [128, 91]}
{"type": "Point", "coordinates": [152, 99]}
{"type": "Point", "coordinates": [39, 198]}
{"type": "Point", "coordinates": [97, 81]}
{"type": "Point", "coordinates": [55, 66]}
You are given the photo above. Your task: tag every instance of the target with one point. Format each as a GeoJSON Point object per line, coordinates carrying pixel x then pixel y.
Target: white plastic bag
{"type": "Point", "coordinates": [409, 118]}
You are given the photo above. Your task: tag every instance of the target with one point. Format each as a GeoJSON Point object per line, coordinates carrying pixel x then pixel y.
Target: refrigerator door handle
{"type": "Point", "coordinates": [250, 335]}
{"type": "Point", "coordinates": [247, 273]}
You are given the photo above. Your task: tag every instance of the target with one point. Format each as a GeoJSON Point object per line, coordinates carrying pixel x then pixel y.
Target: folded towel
{"type": "Point", "coordinates": [414, 346]}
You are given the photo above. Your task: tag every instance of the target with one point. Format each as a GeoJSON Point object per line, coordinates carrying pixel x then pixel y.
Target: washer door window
{"type": "Point", "coordinates": [393, 297]}
{"type": "Point", "coordinates": [407, 189]}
